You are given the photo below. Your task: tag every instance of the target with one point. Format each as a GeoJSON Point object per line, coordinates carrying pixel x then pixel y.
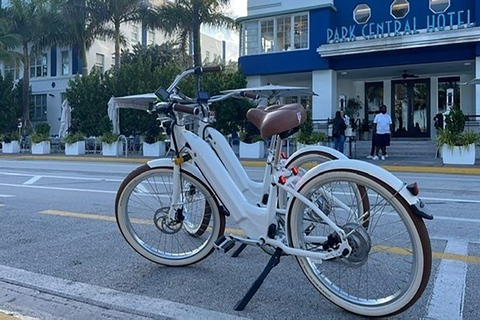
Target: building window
{"type": "Point", "coordinates": [39, 109]}
{"type": "Point", "coordinates": [38, 66]}
{"type": "Point", "coordinates": [134, 34]}
{"type": "Point", "coordinates": [399, 9]}
{"type": "Point", "coordinates": [100, 62]}
{"type": "Point", "coordinates": [275, 35]}
{"type": "Point", "coordinates": [266, 34]}
{"type": "Point", "coordinates": [362, 13]}
{"type": "Point", "coordinates": [373, 99]}
{"type": "Point", "coordinates": [284, 30]}
{"type": "Point", "coordinates": [13, 70]}
{"type": "Point", "coordinates": [301, 32]}
{"type": "Point", "coordinates": [443, 85]}
{"type": "Point", "coordinates": [250, 38]}
{"type": "Point", "coordinates": [151, 37]}
{"type": "Point", "coordinates": [439, 6]}
{"type": "Point", "coordinates": [65, 63]}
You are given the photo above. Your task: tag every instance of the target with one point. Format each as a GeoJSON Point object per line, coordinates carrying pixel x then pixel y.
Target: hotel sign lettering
{"type": "Point", "coordinates": [395, 28]}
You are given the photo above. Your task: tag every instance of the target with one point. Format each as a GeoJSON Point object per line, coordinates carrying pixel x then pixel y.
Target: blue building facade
{"type": "Point", "coordinates": [409, 55]}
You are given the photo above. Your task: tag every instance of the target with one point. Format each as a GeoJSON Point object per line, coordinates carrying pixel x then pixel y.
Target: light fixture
{"type": "Point", "coordinates": [344, 73]}
{"type": "Point", "coordinates": [468, 63]}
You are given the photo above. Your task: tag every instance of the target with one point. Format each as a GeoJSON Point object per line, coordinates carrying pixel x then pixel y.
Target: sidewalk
{"type": "Point", "coordinates": [427, 164]}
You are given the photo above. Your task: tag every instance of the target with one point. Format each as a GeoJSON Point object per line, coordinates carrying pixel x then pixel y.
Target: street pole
{"type": "Point", "coordinates": [196, 42]}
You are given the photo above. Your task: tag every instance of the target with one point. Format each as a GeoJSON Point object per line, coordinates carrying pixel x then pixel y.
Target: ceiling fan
{"type": "Point", "coordinates": [405, 75]}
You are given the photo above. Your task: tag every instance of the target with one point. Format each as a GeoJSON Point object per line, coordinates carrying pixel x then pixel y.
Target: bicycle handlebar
{"type": "Point", "coordinates": [193, 110]}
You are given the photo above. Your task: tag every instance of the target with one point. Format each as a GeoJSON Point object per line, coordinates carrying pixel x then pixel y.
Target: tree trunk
{"type": "Point", "coordinates": [27, 125]}
{"type": "Point", "coordinates": [197, 53]}
{"type": "Point", "coordinates": [117, 46]}
{"type": "Point", "coordinates": [83, 52]}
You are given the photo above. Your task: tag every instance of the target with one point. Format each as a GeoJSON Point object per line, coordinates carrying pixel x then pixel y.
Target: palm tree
{"type": "Point", "coordinates": [8, 42]}
{"type": "Point", "coordinates": [184, 17]}
{"type": "Point", "coordinates": [119, 12]}
{"type": "Point", "coordinates": [37, 24]}
{"type": "Point", "coordinates": [83, 26]}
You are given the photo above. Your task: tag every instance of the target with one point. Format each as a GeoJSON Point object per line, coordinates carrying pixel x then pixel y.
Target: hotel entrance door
{"type": "Point", "coordinates": [411, 108]}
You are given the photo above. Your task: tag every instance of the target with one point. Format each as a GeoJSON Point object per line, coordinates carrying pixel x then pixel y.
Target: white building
{"type": "Point", "coordinates": [51, 71]}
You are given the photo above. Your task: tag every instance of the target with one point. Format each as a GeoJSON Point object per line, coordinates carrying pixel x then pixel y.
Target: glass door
{"type": "Point", "coordinates": [411, 108]}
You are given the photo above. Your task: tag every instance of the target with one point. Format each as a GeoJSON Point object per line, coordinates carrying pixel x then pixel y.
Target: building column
{"type": "Point", "coordinates": [324, 84]}
{"type": "Point", "coordinates": [477, 87]}
{"type": "Point", "coordinates": [433, 105]}
{"type": "Point", "coordinates": [387, 96]}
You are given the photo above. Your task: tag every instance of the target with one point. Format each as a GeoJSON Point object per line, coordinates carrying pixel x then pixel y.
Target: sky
{"type": "Point", "coordinates": [236, 9]}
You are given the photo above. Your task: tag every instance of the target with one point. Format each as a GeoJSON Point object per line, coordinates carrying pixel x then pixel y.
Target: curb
{"type": "Point", "coordinates": [247, 163]}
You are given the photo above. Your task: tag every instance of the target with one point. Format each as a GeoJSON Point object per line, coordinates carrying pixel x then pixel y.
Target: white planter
{"type": "Point", "coordinates": [156, 149]}
{"type": "Point", "coordinates": [458, 155]}
{"type": "Point", "coordinates": [41, 147]}
{"type": "Point", "coordinates": [112, 149]}
{"type": "Point", "coordinates": [75, 149]}
{"type": "Point", "coordinates": [302, 145]}
{"type": "Point", "coordinates": [11, 147]}
{"type": "Point", "coordinates": [252, 150]}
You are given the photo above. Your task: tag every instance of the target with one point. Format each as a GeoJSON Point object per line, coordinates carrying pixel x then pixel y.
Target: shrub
{"type": "Point", "coordinates": [12, 136]}
{"type": "Point", "coordinates": [74, 137]}
{"type": "Point", "coordinates": [452, 139]}
{"type": "Point", "coordinates": [109, 137]}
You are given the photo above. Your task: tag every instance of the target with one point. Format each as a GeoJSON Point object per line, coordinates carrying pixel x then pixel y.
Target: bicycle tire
{"type": "Point", "coordinates": [141, 207]}
{"type": "Point", "coordinates": [340, 280]}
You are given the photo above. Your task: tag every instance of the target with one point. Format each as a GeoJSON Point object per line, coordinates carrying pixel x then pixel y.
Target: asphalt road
{"type": "Point", "coordinates": [62, 255]}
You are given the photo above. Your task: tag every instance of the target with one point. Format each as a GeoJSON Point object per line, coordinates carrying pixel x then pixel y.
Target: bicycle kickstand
{"type": "Point", "coordinates": [272, 263]}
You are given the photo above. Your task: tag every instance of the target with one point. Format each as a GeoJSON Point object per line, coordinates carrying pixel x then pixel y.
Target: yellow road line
{"type": "Point", "coordinates": [113, 219]}
{"type": "Point", "coordinates": [395, 250]}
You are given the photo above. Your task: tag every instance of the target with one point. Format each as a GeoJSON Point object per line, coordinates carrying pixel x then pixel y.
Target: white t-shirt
{"type": "Point", "coordinates": [383, 122]}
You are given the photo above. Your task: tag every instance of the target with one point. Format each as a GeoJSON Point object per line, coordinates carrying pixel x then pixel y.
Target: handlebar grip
{"type": "Point", "coordinates": [249, 95]}
{"type": "Point", "coordinates": [213, 69]}
{"type": "Point", "coordinates": [186, 109]}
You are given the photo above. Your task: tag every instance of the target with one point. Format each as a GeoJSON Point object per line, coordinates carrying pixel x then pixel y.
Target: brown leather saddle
{"type": "Point", "coordinates": [283, 120]}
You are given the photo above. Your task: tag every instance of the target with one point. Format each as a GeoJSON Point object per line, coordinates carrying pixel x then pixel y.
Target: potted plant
{"type": "Point", "coordinates": [110, 144]}
{"type": "Point", "coordinates": [154, 145]}
{"type": "Point", "coordinates": [40, 140]}
{"type": "Point", "coordinates": [11, 142]}
{"type": "Point", "coordinates": [352, 111]}
{"type": "Point", "coordinates": [304, 139]}
{"type": "Point", "coordinates": [457, 146]}
{"type": "Point", "coordinates": [252, 146]}
{"type": "Point", "coordinates": [74, 144]}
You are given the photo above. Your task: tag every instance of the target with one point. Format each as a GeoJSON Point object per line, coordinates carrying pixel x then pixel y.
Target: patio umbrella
{"type": "Point", "coordinates": [137, 101]}
{"type": "Point", "coordinates": [65, 119]}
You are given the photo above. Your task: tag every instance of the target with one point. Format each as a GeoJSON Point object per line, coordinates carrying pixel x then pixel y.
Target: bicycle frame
{"type": "Point", "coordinates": [254, 220]}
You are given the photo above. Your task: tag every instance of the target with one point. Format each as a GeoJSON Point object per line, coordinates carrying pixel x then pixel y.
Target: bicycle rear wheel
{"type": "Point", "coordinates": [142, 206]}
{"type": "Point", "coordinates": [390, 264]}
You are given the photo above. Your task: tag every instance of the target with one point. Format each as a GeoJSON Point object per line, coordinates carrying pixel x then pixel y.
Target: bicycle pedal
{"type": "Point", "coordinates": [224, 244]}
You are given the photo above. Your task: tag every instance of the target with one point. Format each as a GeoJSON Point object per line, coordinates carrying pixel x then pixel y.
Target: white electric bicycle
{"type": "Point", "coordinates": [356, 230]}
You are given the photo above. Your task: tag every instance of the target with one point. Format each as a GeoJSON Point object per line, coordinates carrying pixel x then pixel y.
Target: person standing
{"type": "Point", "coordinates": [338, 131]}
{"type": "Point", "coordinates": [374, 145]}
{"type": "Point", "coordinates": [381, 125]}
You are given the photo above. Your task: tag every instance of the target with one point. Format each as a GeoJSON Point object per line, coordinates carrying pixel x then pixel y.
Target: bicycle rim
{"type": "Point", "coordinates": [391, 259]}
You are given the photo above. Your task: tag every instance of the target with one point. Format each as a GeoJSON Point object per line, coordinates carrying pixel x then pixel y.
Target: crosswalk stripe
{"type": "Point", "coordinates": [32, 180]}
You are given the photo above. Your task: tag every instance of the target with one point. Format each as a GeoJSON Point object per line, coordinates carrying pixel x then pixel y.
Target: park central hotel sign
{"type": "Point", "coordinates": [399, 28]}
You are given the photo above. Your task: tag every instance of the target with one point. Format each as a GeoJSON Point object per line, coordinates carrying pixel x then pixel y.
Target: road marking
{"type": "Point", "coordinates": [103, 217]}
{"type": "Point", "coordinates": [61, 177]}
{"type": "Point", "coordinates": [2, 205]}
{"type": "Point", "coordinates": [32, 180]}
{"type": "Point", "coordinates": [56, 188]}
{"type": "Point", "coordinates": [449, 287]}
{"type": "Point", "coordinates": [6, 196]}
{"type": "Point", "coordinates": [450, 200]}
{"type": "Point", "coordinates": [453, 256]}
{"type": "Point", "coordinates": [108, 298]}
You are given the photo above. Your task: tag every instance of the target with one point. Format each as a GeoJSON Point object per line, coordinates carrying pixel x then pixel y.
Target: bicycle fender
{"type": "Point", "coordinates": [335, 153]}
{"type": "Point", "coordinates": [367, 169]}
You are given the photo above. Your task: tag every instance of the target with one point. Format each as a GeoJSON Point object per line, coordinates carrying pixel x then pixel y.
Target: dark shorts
{"type": "Point", "coordinates": [382, 140]}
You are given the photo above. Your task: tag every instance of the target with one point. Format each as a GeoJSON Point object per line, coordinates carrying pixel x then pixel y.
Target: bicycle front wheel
{"type": "Point", "coordinates": [142, 211]}
{"type": "Point", "coordinates": [389, 267]}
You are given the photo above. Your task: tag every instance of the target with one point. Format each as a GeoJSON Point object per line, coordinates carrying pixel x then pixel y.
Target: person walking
{"type": "Point", "coordinates": [381, 125]}
{"type": "Point", "coordinates": [374, 138]}
{"type": "Point", "coordinates": [338, 131]}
